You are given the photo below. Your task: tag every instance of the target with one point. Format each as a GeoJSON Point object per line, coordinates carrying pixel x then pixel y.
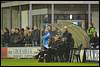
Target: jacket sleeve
{"type": "Point", "coordinates": [47, 35]}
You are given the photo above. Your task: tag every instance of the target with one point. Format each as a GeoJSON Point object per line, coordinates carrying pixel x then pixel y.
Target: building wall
{"type": "Point", "coordinates": [6, 20]}
{"type": "Point", "coordinates": [15, 18]}
{"type": "Point", "coordinates": [24, 18]}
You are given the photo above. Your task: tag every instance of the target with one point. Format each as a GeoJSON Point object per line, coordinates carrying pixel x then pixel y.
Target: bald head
{"type": "Point", "coordinates": [65, 28]}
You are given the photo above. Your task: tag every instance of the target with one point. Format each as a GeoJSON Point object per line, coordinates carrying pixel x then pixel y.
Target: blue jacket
{"type": "Point", "coordinates": [45, 39]}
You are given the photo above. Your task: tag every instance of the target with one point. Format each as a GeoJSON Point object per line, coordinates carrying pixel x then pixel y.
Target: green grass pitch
{"type": "Point", "coordinates": [34, 62]}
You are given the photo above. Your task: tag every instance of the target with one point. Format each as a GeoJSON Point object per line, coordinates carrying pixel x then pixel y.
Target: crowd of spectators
{"type": "Point", "coordinates": [20, 37]}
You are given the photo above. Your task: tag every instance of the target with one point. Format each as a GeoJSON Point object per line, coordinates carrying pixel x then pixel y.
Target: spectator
{"type": "Point", "coordinates": [57, 50]}
{"type": "Point", "coordinates": [70, 44]}
{"type": "Point", "coordinates": [6, 37]}
{"type": "Point", "coordinates": [28, 39]}
{"type": "Point", "coordinates": [91, 31]}
{"type": "Point", "coordinates": [21, 41]}
{"type": "Point", "coordinates": [15, 38]}
{"type": "Point", "coordinates": [26, 31]}
{"type": "Point", "coordinates": [2, 38]}
{"type": "Point", "coordinates": [12, 36]}
{"type": "Point", "coordinates": [35, 36]}
{"type": "Point", "coordinates": [67, 36]}
{"type": "Point", "coordinates": [39, 38]}
{"type": "Point", "coordinates": [43, 31]}
{"type": "Point", "coordinates": [94, 40]}
{"type": "Point", "coordinates": [54, 31]}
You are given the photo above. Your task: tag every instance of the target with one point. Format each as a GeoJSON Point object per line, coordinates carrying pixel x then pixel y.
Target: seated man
{"type": "Point", "coordinates": [56, 49]}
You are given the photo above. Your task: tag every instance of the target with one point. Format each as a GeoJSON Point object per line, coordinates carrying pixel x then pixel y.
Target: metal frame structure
{"type": "Point", "coordinates": [16, 3]}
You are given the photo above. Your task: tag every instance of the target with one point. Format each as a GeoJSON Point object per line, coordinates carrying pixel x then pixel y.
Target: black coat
{"type": "Point", "coordinates": [36, 35]}
{"type": "Point", "coordinates": [22, 37]}
{"type": "Point", "coordinates": [12, 35]}
{"type": "Point", "coordinates": [14, 38]}
{"type": "Point", "coordinates": [56, 47]}
{"type": "Point", "coordinates": [66, 34]}
{"type": "Point", "coordinates": [95, 40]}
{"type": "Point", "coordinates": [28, 40]}
{"type": "Point", "coordinates": [5, 37]}
{"type": "Point", "coordinates": [56, 44]}
{"type": "Point", "coordinates": [1, 39]}
{"type": "Point", "coordinates": [69, 41]}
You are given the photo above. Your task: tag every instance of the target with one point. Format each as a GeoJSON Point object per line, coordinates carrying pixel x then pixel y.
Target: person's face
{"type": "Point", "coordinates": [16, 31]}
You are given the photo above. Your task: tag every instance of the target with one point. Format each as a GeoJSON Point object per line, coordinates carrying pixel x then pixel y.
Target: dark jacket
{"type": "Point", "coordinates": [95, 41]}
{"type": "Point", "coordinates": [5, 37]}
{"type": "Point", "coordinates": [28, 40]}
{"type": "Point", "coordinates": [22, 37]}
{"type": "Point", "coordinates": [66, 34]}
{"type": "Point", "coordinates": [35, 35]}
{"type": "Point", "coordinates": [12, 35]}
{"type": "Point", "coordinates": [69, 41]}
{"type": "Point", "coordinates": [57, 47]}
{"type": "Point", "coordinates": [1, 39]}
{"type": "Point", "coordinates": [56, 44]}
{"type": "Point", "coordinates": [14, 38]}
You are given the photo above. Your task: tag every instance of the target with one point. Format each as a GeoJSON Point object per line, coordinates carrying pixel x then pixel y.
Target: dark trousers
{"type": "Point", "coordinates": [66, 55]}
{"type": "Point", "coordinates": [34, 42]}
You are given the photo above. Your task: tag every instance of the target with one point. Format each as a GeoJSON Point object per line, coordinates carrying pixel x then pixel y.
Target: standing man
{"type": "Point", "coordinates": [45, 44]}
{"type": "Point", "coordinates": [67, 36]}
{"type": "Point", "coordinates": [6, 37]}
{"type": "Point", "coordinates": [46, 38]}
{"type": "Point", "coordinates": [91, 31]}
{"type": "Point", "coordinates": [35, 36]}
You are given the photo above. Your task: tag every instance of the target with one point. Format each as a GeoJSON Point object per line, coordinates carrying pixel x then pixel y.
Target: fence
{"type": "Point", "coordinates": [86, 55]}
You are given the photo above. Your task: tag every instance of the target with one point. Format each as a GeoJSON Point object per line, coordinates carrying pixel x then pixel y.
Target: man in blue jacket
{"type": "Point", "coordinates": [45, 38]}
